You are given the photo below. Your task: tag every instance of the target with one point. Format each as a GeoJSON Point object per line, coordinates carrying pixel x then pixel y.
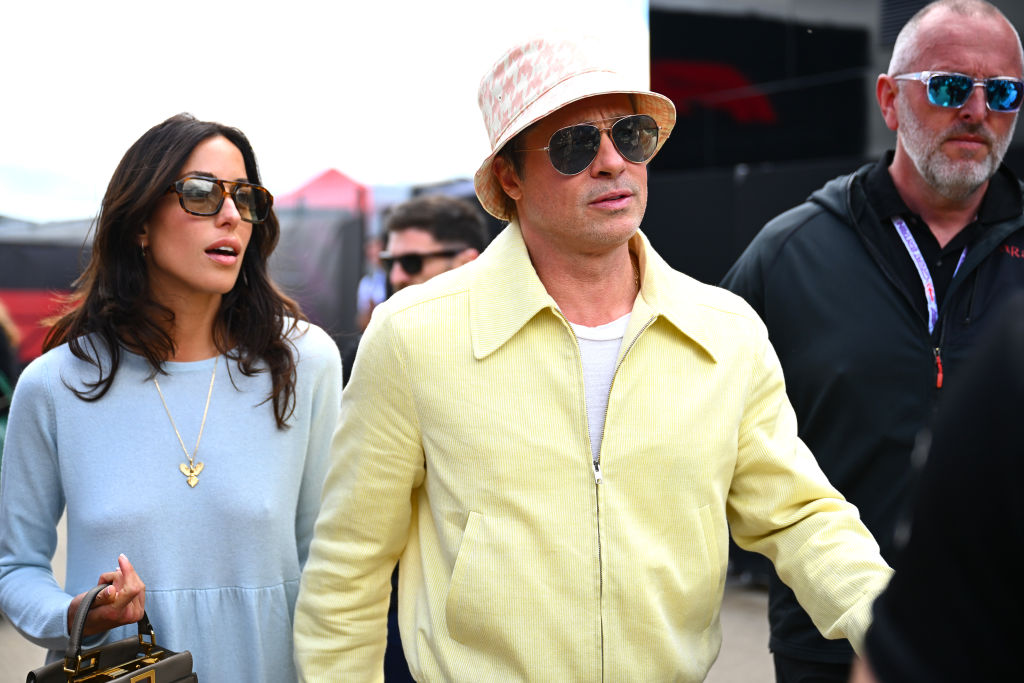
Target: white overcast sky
{"type": "Point", "coordinates": [384, 91]}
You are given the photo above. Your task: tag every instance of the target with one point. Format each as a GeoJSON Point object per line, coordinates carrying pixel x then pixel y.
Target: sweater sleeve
{"type": "Point", "coordinates": [376, 463]}
{"type": "Point", "coordinates": [783, 506]}
{"type": "Point", "coordinates": [320, 365]}
{"type": "Point", "coordinates": [31, 504]}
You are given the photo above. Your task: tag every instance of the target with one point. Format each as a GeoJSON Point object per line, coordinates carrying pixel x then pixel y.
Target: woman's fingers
{"type": "Point", "coordinates": [124, 583]}
{"type": "Point", "coordinates": [107, 596]}
{"type": "Point", "coordinates": [130, 581]}
{"type": "Point", "coordinates": [123, 602]}
{"type": "Point", "coordinates": [133, 588]}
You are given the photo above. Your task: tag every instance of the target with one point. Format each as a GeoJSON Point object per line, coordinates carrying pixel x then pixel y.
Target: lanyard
{"type": "Point", "coordinates": [922, 270]}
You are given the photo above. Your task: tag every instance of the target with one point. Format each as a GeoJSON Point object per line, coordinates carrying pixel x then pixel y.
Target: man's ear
{"type": "Point", "coordinates": [886, 90]}
{"type": "Point", "coordinates": [465, 256]}
{"type": "Point", "coordinates": [507, 178]}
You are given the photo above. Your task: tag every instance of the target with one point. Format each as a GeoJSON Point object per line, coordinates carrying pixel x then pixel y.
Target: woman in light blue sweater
{"type": "Point", "coordinates": [182, 414]}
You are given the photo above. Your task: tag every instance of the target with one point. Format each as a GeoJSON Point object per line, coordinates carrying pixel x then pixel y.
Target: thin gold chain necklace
{"type": "Point", "coordinates": [193, 468]}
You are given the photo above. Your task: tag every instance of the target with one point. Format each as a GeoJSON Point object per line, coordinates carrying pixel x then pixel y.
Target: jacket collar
{"type": "Point", "coordinates": [847, 197]}
{"type": "Point", "coordinates": [506, 293]}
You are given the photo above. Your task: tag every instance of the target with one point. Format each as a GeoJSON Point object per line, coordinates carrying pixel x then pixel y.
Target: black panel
{"type": "Point", "coordinates": [752, 89]}
{"type": "Point", "coordinates": [701, 221]}
{"type": "Point", "coordinates": [40, 266]}
{"type": "Point", "coordinates": [895, 14]}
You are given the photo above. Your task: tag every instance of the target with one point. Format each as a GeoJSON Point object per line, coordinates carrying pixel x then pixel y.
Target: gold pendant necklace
{"type": "Point", "coordinates": [193, 468]}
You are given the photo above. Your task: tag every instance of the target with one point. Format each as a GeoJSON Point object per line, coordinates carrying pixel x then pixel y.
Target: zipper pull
{"type": "Point", "coordinates": [598, 477]}
{"type": "Point", "coordinates": [938, 369]}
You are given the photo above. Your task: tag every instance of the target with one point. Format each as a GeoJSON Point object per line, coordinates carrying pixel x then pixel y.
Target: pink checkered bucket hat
{"type": "Point", "coordinates": [541, 76]}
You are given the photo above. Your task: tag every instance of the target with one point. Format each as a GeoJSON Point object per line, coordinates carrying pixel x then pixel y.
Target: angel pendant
{"type": "Point", "coordinates": [191, 473]}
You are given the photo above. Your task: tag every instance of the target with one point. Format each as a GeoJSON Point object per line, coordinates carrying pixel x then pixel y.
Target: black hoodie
{"type": "Point", "coordinates": [845, 310]}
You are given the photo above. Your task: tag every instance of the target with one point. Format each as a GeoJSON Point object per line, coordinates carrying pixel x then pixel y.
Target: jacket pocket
{"type": "Point", "coordinates": [462, 607]}
{"type": "Point", "coordinates": [495, 592]}
{"type": "Point", "coordinates": [711, 596]}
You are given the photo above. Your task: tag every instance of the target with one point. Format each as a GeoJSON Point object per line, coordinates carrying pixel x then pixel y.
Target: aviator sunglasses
{"type": "Point", "coordinates": [413, 263]}
{"type": "Point", "coordinates": [202, 196]}
{"type": "Point", "coordinates": [946, 89]}
{"type": "Point", "coordinates": [573, 148]}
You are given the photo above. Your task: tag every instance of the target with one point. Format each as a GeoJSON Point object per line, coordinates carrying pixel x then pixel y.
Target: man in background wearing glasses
{"type": "Point", "coordinates": [876, 289]}
{"type": "Point", "coordinates": [555, 438]}
{"type": "Point", "coordinates": [428, 236]}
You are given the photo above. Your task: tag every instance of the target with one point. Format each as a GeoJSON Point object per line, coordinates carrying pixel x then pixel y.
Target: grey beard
{"type": "Point", "coordinates": [953, 179]}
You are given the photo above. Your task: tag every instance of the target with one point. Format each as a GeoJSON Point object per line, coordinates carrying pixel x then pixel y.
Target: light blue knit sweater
{"type": "Point", "coordinates": [220, 561]}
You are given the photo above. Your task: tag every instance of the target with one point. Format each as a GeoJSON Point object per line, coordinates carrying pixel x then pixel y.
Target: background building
{"type": "Point", "coordinates": [774, 98]}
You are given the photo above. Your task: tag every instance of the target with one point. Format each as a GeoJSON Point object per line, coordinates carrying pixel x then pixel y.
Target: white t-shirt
{"type": "Point", "coordinates": [599, 349]}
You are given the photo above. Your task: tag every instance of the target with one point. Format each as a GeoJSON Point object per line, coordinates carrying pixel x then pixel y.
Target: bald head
{"type": "Point", "coordinates": [911, 50]}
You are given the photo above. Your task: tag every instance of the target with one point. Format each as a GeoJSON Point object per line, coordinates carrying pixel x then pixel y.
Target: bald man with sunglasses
{"type": "Point", "coordinates": [876, 289]}
{"type": "Point", "coordinates": [555, 439]}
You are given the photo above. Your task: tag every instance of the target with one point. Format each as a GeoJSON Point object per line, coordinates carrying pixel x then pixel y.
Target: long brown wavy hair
{"type": "Point", "coordinates": [112, 304]}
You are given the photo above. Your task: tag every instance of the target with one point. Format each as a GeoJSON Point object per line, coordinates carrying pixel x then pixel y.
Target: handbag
{"type": "Point", "coordinates": [131, 660]}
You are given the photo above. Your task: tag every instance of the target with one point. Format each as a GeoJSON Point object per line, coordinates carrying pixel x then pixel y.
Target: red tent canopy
{"type": "Point", "coordinates": [331, 189]}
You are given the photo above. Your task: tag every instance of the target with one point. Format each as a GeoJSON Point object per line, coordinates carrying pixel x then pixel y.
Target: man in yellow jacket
{"type": "Point", "coordinates": [555, 438]}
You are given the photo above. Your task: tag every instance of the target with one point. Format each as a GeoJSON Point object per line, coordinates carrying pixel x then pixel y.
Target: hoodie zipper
{"type": "Point", "coordinates": [937, 349]}
{"type": "Point", "coordinates": [898, 284]}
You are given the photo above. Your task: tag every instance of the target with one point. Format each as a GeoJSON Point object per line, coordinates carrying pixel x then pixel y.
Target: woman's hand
{"type": "Point", "coordinates": [123, 602]}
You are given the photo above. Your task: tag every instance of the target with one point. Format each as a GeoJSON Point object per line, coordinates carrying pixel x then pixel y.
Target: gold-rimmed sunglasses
{"type": "Point", "coordinates": [572, 149]}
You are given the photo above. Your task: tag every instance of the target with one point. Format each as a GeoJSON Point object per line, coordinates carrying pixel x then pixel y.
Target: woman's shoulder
{"type": "Point", "coordinates": [58, 366]}
{"type": "Point", "coordinates": [312, 342]}
{"type": "Point", "coordinates": [62, 360]}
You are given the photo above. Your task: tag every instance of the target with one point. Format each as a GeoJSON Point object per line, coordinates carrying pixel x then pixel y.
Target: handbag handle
{"type": "Point", "coordinates": [73, 656]}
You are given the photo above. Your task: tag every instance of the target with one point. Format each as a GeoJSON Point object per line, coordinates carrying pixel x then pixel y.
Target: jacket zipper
{"type": "Point", "coordinates": [598, 477]}
{"type": "Point", "coordinates": [597, 502]}
{"type": "Point", "coordinates": [938, 368]}
{"type": "Point", "coordinates": [597, 463]}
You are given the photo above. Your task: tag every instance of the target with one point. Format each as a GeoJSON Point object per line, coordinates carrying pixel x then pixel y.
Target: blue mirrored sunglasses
{"type": "Point", "coordinates": [945, 89]}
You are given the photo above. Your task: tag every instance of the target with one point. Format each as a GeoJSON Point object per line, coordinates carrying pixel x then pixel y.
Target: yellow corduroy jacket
{"type": "Point", "coordinates": [463, 450]}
